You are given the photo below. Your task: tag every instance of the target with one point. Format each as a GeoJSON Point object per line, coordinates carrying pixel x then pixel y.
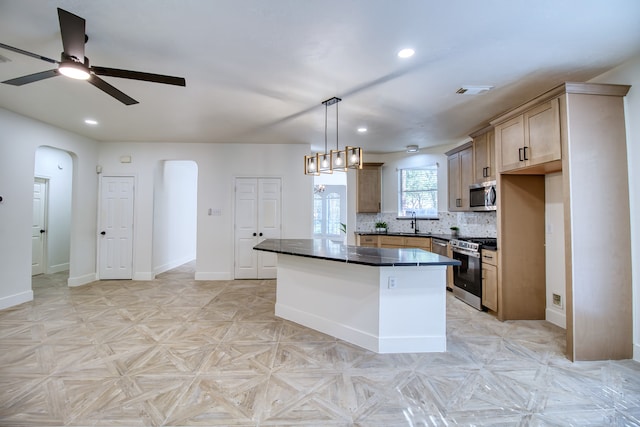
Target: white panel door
{"type": "Point", "coordinates": [257, 217]}
{"type": "Point", "coordinates": [116, 228]}
{"type": "Point", "coordinates": [269, 223]}
{"type": "Point", "coordinates": [38, 227]}
{"type": "Point", "coordinates": [246, 228]}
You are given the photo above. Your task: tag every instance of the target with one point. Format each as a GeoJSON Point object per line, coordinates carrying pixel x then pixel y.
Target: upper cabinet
{"type": "Point", "coordinates": [484, 156]}
{"type": "Point", "coordinates": [369, 184]}
{"type": "Point", "coordinates": [460, 176]}
{"type": "Point", "coordinates": [531, 139]}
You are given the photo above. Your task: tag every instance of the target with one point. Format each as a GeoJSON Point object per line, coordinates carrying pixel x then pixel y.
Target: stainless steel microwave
{"type": "Point", "coordinates": [482, 197]}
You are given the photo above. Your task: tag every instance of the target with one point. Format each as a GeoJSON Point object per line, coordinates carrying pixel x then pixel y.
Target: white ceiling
{"type": "Point", "coordinates": [258, 70]}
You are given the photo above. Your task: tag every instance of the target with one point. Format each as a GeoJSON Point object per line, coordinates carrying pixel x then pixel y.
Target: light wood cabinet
{"type": "Point", "coordinates": [484, 156]}
{"type": "Point", "coordinates": [531, 139]}
{"type": "Point", "coordinates": [599, 321]}
{"type": "Point", "coordinates": [391, 241]}
{"type": "Point", "coordinates": [460, 177]}
{"type": "Point", "coordinates": [490, 279]}
{"type": "Point", "coordinates": [369, 184]}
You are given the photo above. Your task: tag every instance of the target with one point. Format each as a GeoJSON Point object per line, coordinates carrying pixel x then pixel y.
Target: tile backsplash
{"type": "Point", "coordinates": [476, 224]}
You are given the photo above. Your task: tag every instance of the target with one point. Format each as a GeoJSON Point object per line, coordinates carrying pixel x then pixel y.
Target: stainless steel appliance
{"type": "Point", "coordinates": [482, 197]}
{"type": "Point", "coordinates": [467, 277]}
{"type": "Point", "coordinates": [439, 246]}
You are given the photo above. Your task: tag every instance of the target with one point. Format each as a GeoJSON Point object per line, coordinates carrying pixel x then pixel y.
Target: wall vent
{"type": "Point", "coordinates": [473, 90]}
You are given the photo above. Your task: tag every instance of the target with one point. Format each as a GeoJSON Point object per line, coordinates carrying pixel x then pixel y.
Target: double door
{"type": "Point", "coordinates": [258, 217]}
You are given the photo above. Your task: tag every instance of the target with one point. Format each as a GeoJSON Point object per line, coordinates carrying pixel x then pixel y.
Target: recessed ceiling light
{"type": "Point", "coordinates": [412, 148]}
{"type": "Point", "coordinates": [91, 122]}
{"type": "Point", "coordinates": [362, 129]}
{"type": "Point", "coordinates": [406, 53]}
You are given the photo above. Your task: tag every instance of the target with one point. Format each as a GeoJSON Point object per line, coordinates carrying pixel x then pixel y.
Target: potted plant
{"type": "Point", "coordinates": [455, 231]}
{"type": "Point", "coordinates": [381, 227]}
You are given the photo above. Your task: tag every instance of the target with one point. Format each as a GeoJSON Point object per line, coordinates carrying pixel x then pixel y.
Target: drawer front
{"type": "Point", "coordinates": [391, 241]}
{"type": "Point", "coordinates": [489, 257]}
{"type": "Point", "coordinates": [368, 241]}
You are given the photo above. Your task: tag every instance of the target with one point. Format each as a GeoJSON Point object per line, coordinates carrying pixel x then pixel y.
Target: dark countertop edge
{"type": "Point", "coordinates": [373, 264]}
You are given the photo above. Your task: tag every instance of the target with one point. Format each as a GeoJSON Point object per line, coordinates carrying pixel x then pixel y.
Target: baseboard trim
{"type": "Point", "coordinates": [212, 275]}
{"type": "Point", "coordinates": [143, 276]}
{"type": "Point", "coordinates": [636, 352]}
{"type": "Point", "coordinates": [16, 299]}
{"type": "Point", "coordinates": [558, 319]}
{"type": "Point", "coordinates": [171, 265]}
{"type": "Point", "coordinates": [58, 268]}
{"type": "Point", "coordinates": [72, 282]}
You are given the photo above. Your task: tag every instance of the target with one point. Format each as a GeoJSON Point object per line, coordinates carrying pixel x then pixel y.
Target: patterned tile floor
{"type": "Point", "coordinates": [176, 352]}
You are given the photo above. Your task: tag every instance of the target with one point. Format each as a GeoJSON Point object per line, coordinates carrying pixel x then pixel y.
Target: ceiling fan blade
{"type": "Point", "coordinates": [72, 29]}
{"type": "Point", "coordinates": [24, 52]}
{"type": "Point", "coordinates": [106, 87]}
{"type": "Point", "coordinates": [137, 75]}
{"type": "Point", "coordinates": [19, 81]}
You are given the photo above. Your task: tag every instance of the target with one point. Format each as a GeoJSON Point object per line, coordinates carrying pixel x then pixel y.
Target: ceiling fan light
{"type": "Point", "coordinates": [74, 71]}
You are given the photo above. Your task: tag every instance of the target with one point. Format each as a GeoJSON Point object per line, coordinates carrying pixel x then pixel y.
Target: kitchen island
{"type": "Point", "coordinates": [385, 300]}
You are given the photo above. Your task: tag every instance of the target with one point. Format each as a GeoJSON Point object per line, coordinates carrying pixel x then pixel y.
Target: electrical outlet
{"type": "Point", "coordinates": [557, 300]}
{"type": "Point", "coordinates": [393, 283]}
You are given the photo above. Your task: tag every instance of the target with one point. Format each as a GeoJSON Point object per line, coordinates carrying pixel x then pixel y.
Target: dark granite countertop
{"type": "Point", "coordinates": [333, 251]}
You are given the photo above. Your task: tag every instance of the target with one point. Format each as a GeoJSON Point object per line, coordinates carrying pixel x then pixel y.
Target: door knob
{"type": "Point", "coordinates": [42, 231]}
{"type": "Point", "coordinates": [103, 232]}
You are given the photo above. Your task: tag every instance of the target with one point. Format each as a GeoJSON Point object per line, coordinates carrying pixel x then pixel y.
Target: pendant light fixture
{"type": "Point", "coordinates": [335, 160]}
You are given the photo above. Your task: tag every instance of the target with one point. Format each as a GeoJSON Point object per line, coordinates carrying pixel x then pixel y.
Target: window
{"type": "Point", "coordinates": [329, 211]}
{"type": "Point", "coordinates": [418, 192]}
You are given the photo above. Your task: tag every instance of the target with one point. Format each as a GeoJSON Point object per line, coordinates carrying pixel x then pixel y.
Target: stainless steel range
{"type": "Point", "coordinates": [467, 277]}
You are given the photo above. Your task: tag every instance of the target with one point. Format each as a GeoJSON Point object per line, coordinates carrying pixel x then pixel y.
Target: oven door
{"type": "Point", "coordinates": [468, 275]}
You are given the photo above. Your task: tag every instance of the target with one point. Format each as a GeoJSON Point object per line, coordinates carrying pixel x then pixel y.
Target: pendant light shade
{"type": "Point", "coordinates": [334, 160]}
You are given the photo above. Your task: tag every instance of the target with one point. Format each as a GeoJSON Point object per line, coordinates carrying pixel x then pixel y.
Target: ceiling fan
{"type": "Point", "coordinates": [74, 64]}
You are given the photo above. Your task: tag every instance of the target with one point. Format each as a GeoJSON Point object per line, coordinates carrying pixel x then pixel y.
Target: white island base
{"type": "Point", "coordinates": [359, 303]}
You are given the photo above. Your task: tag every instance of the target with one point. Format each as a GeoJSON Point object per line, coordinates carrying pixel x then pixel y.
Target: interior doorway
{"type": "Point", "coordinates": [51, 226]}
{"type": "Point", "coordinates": [175, 214]}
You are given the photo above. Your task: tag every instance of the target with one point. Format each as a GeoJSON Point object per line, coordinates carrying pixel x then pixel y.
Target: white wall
{"type": "Point", "coordinates": [218, 165]}
{"type": "Point", "coordinates": [57, 167]}
{"type": "Point", "coordinates": [19, 140]}
{"type": "Point", "coordinates": [554, 249]}
{"type": "Point", "coordinates": [629, 73]}
{"type": "Point", "coordinates": [394, 161]}
{"type": "Point", "coordinates": [174, 214]}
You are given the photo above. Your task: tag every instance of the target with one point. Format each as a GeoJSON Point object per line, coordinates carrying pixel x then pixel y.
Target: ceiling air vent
{"type": "Point", "coordinates": [473, 90]}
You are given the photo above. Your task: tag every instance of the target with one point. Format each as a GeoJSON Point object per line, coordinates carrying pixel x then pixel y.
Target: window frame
{"type": "Point", "coordinates": [401, 192]}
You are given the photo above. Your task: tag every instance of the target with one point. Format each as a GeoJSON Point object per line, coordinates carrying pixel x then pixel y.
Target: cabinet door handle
{"type": "Point", "coordinates": [520, 156]}
{"type": "Point", "coordinates": [260, 234]}
{"type": "Point", "coordinates": [526, 157]}
{"type": "Point", "coordinates": [458, 203]}
{"type": "Point", "coordinates": [255, 234]}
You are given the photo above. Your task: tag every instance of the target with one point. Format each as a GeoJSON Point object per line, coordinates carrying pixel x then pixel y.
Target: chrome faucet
{"type": "Point", "coordinates": [414, 222]}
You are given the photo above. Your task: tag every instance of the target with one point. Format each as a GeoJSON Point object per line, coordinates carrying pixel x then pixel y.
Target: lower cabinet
{"type": "Point", "coordinates": [391, 242]}
{"type": "Point", "coordinates": [386, 241]}
{"type": "Point", "coordinates": [369, 241]}
{"type": "Point", "coordinates": [490, 279]}
{"type": "Point", "coordinates": [418, 242]}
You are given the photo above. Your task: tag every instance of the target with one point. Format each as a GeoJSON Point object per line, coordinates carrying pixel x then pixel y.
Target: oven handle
{"type": "Point", "coordinates": [465, 252]}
